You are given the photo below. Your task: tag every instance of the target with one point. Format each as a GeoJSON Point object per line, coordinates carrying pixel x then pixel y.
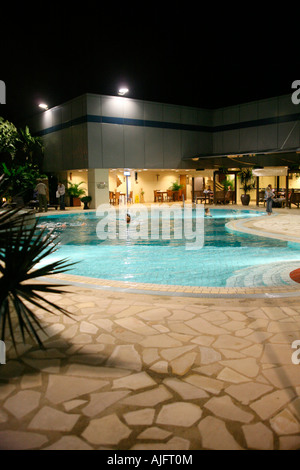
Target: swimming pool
{"type": "Point", "coordinates": [226, 259]}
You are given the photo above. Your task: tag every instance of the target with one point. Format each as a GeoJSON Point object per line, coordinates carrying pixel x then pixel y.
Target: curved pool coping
{"type": "Point", "coordinates": [239, 225]}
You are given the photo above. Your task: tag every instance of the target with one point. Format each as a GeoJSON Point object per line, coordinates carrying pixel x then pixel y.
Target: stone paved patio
{"type": "Point", "coordinates": [136, 371]}
{"type": "Point", "coordinates": [145, 371]}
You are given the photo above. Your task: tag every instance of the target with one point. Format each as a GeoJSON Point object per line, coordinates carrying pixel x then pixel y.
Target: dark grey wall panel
{"type": "Point", "coordinates": [113, 146]}
{"type": "Point", "coordinates": [248, 139]}
{"type": "Point", "coordinates": [231, 141]}
{"type": "Point", "coordinates": [288, 135]}
{"type": "Point", "coordinates": [95, 154]}
{"type": "Point", "coordinates": [248, 112]}
{"type": "Point", "coordinates": [153, 147]}
{"type": "Point", "coordinates": [267, 137]}
{"type": "Point", "coordinates": [268, 108]}
{"type": "Point", "coordinates": [172, 148]}
{"type": "Point", "coordinates": [134, 147]}
{"type": "Point", "coordinates": [218, 142]}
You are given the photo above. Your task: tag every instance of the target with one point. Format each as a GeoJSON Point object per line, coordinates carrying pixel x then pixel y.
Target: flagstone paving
{"type": "Point", "coordinates": [141, 371]}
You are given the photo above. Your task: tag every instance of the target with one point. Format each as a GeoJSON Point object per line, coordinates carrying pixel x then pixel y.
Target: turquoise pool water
{"type": "Point", "coordinates": [227, 258]}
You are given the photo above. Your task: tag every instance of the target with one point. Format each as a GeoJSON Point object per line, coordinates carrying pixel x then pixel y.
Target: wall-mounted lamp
{"type": "Point", "coordinates": [43, 106]}
{"type": "Point", "coordinates": [123, 91]}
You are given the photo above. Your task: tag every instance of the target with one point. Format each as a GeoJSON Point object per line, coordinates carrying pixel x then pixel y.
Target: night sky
{"type": "Point", "coordinates": [186, 57]}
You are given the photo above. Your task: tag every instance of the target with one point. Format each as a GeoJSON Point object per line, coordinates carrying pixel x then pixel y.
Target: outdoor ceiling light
{"type": "Point", "coordinates": [123, 91]}
{"type": "Point", "coordinates": [43, 106]}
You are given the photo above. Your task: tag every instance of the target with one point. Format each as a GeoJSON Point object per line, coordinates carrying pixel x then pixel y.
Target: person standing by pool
{"type": "Point", "coordinates": [61, 191]}
{"type": "Point", "coordinates": [42, 195]}
{"type": "Point", "coordinates": [269, 196]}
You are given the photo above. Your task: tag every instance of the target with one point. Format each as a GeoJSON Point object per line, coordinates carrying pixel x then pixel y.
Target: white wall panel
{"type": "Point", "coordinates": [171, 113]}
{"type": "Point", "coordinates": [47, 119]}
{"type": "Point", "coordinates": [56, 116]}
{"type": "Point", "coordinates": [94, 105]}
{"type": "Point", "coordinates": [78, 107]}
{"type": "Point", "coordinates": [133, 109]}
{"type": "Point", "coordinates": [153, 111]}
{"type": "Point", "coordinates": [112, 106]}
{"type": "Point", "coordinates": [66, 112]}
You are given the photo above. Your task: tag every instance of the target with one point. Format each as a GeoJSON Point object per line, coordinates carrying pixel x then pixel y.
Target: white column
{"type": "Point", "coordinates": [98, 187]}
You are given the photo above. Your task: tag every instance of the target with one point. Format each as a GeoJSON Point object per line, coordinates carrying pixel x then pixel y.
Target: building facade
{"type": "Point", "coordinates": [94, 138]}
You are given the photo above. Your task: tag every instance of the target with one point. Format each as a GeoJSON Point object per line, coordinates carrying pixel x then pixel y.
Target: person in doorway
{"type": "Point", "coordinates": [61, 191]}
{"type": "Point", "coordinates": [269, 196]}
{"type": "Point", "coordinates": [41, 190]}
{"type": "Point", "coordinates": [208, 190]}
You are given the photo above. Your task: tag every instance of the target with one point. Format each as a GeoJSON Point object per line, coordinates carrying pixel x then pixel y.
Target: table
{"type": "Point", "coordinates": [161, 193]}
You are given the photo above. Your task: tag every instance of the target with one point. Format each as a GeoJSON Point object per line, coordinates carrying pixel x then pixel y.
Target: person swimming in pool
{"type": "Point", "coordinates": [128, 218]}
{"type": "Point", "coordinates": [207, 212]}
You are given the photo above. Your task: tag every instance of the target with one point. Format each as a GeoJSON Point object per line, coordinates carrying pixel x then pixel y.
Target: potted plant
{"type": "Point", "coordinates": [246, 177]}
{"type": "Point", "coordinates": [86, 200]}
{"type": "Point", "coordinates": [176, 186]}
{"type": "Point", "coordinates": [74, 192]}
{"type": "Point", "coordinates": [142, 195]}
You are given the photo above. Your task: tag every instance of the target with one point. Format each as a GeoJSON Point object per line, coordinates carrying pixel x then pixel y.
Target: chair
{"type": "Point", "coordinates": [169, 195]}
{"type": "Point", "coordinates": [130, 197]}
{"type": "Point", "coordinates": [158, 197]}
{"type": "Point", "coordinates": [111, 197]}
{"type": "Point", "coordinates": [220, 197]}
{"type": "Point", "coordinates": [261, 197]}
{"type": "Point", "coordinates": [117, 198]}
{"type": "Point", "coordinates": [175, 195]}
{"type": "Point", "coordinates": [200, 196]}
{"type": "Point", "coordinates": [294, 199]}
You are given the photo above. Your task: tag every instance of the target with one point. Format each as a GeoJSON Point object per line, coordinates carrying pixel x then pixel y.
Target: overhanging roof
{"type": "Point", "coordinates": [270, 157]}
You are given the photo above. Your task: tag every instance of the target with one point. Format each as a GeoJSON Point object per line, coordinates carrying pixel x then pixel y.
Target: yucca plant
{"type": "Point", "coordinates": [22, 248]}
